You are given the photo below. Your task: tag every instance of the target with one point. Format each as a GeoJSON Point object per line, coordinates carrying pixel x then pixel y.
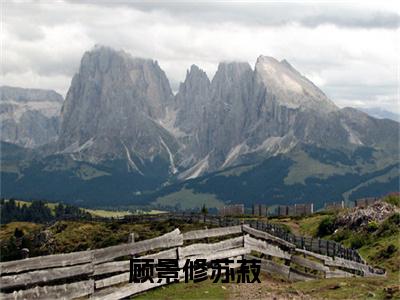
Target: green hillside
{"type": "Point", "coordinates": [306, 174]}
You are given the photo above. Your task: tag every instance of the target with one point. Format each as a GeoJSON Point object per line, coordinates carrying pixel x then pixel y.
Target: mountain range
{"type": "Point", "coordinates": [122, 137]}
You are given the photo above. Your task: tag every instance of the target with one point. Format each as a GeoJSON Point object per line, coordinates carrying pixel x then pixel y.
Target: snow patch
{"type": "Point", "coordinates": [233, 154]}
{"type": "Point", "coordinates": [131, 163]}
{"type": "Point", "coordinates": [269, 144]}
{"type": "Point", "coordinates": [76, 148]}
{"type": "Point", "coordinates": [197, 170]}
{"type": "Point", "coordinates": [277, 144]}
{"type": "Point", "coordinates": [71, 148]}
{"type": "Point", "coordinates": [86, 145]}
{"type": "Point", "coordinates": [352, 136]}
{"type": "Point", "coordinates": [174, 170]}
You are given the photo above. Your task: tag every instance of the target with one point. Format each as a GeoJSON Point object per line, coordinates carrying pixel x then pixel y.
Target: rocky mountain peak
{"type": "Point", "coordinates": [113, 104]}
{"type": "Point", "coordinates": [191, 99]}
{"type": "Point", "coordinates": [231, 81]}
{"type": "Point", "coordinates": [289, 87]}
{"type": "Point", "coordinates": [196, 80]}
{"type": "Point", "coordinates": [194, 71]}
{"type": "Point", "coordinates": [144, 77]}
{"type": "Point", "coordinates": [231, 71]}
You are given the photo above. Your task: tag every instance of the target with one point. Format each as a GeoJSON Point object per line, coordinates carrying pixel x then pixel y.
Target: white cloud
{"type": "Point", "coordinates": [351, 53]}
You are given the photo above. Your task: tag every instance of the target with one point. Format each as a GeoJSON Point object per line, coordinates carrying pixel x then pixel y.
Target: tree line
{"type": "Point", "coordinates": [38, 212]}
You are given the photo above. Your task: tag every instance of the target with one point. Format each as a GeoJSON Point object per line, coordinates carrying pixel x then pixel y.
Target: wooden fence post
{"type": "Point", "coordinates": [131, 238]}
{"type": "Point", "coordinates": [319, 245]}
{"type": "Point", "coordinates": [178, 253]}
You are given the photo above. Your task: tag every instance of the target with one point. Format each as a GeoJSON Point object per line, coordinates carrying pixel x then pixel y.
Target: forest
{"type": "Point", "coordinates": [38, 212]}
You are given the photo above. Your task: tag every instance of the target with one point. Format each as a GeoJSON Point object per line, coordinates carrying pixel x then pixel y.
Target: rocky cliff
{"type": "Point", "coordinates": [29, 117]}
{"type": "Point", "coordinates": [112, 110]}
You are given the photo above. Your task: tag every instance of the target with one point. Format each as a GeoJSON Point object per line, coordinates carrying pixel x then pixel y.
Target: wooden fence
{"type": "Point", "coordinates": [101, 274]}
{"type": "Point", "coordinates": [321, 246]}
{"type": "Point", "coordinates": [326, 247]}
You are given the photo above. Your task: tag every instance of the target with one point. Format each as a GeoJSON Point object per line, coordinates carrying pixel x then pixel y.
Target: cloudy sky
{"type": "Point", "coordinates": [349, 49]}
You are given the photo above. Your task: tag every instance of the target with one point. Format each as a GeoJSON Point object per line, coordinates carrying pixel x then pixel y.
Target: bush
{"type": "Point", "coordinates": [395, 219]}
{"type": "Point", "coordinates": [393, 199]}
{"type": "Point", "coordinates": [286, 228]}
{"type": "Point", "coordinates": [372, 226]}
{"type": "Point", "coordinates": [326, 227]}
{"type": "Point", "coordinates": [359, 240]}
{"type": "Point", "coordinates": [342, 235]}
{"type": "Point", "coordinates": [388, 252]}
{"type": "Point", "coordinates": [390, 226]}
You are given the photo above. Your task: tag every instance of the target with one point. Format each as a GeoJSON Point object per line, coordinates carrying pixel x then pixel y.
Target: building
{"type": "Point", "coordinates": [260, 210]}
{"type": "Point", "coordinates": [282, 210]}
{"type": "Point", "coordinates": [364, 202]}
{"type": "Point", "coordinates": [334, 205]}
{"type": "Point", "coordinates": [296, 209]}
{"type": "Point", "coordinates": [303, 209]}
{"type": "Point", "coordinates": [232, 210]}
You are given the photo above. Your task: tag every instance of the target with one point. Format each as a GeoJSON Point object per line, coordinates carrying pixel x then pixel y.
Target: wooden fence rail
{"type": "Point", "coordinates": [95, 274]}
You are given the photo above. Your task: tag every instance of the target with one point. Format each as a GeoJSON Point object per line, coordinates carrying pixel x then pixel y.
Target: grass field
{"type": "Point", "coordinates": [107, 213]}
{"type": "Point", "coordinates": [201, 290]}
{"type": "Point", "coordinates": [275, 288]}
{"type": "Point", "coordinates": [8, 230]}
{"type": "Point", "coordinates": [306, 226]}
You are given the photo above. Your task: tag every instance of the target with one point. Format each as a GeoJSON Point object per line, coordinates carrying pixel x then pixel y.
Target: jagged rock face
{"type": "Point", "coordinates": [251, 115]}
{"type": "Point", "coordinates": [248, 114]}
{"type": "Point", "coordinates": [226, 118]}
{"type": "Point", "coordinates": [112, 106]}
{"type": "Point", "coordinates": [191, 100]}
{"type": "Point", "coordinates": [289, 87]}
{"type": "Point", "coordinates": [29, 117]}
{"type": "Point", "coordinates": [213, 115]}
{"type": "Point", "coordinates": [122, 107]}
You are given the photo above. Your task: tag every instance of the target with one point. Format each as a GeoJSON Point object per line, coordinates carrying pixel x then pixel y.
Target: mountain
{"type": "Point", "coordinates": [252, 115]}
{"type": "Point", "coordinates": [266, 134]}
{"type": "Point", "coordinates": [380, 113]}
{"type": "Point", "coordinates": [29, 117]}
{"type": "Point", "coordinates": [289, 87]}
{"type": "Point", "coordinates": [112, 107]}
